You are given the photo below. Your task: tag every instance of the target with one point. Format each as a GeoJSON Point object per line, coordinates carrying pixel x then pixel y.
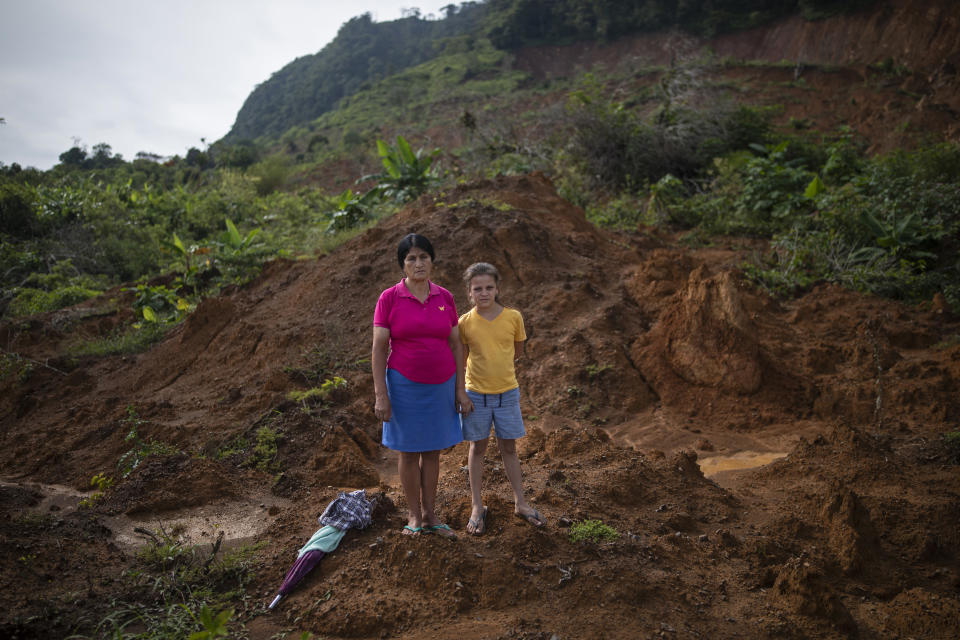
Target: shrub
{"type": "Point", "coordinates": [952, 440]}
{"type": "Point", "coordinates": [592, 531]}
{"type": "Point", "coordinates": [620, 148]}
{"type": "Point", "coordinates": [406, 174]}
{"type": "Point", "coordinates": [127, 340]}
{"type": "Point", "coordinates": [29, 301]}
{"type": "Point", "coordinates": [17, 217]}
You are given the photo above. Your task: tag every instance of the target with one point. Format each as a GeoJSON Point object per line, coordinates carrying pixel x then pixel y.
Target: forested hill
{"type": "Point", "coordinates": [365, 51]}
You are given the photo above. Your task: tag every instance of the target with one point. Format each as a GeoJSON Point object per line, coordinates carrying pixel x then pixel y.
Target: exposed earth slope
{"type": "Point", "coordinates": [646, 364]}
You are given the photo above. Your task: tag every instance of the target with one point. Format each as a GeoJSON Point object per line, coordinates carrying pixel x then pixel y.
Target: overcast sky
{"type": "Point", "coordinates": [154, 75]}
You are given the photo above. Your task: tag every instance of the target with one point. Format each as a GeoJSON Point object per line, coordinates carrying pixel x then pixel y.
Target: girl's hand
{"type": "Point", "coordinates": [381, 408]}
{"type": "Point", "coordinates": [464, 403]}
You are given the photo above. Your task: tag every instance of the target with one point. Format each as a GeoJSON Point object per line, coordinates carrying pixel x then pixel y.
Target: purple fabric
{"type": "Point", "coordinates": [300, 568]}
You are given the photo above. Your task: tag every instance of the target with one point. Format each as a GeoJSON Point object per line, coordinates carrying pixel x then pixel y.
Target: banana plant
{"type": "Point", "coordinates": [351, 209]}
{"type": "Point", "coordinates": [406, 174]}
{"type": "Point", "coordinates": [900, 237]}
{"type": "Point", "coordinates": [232, 238]}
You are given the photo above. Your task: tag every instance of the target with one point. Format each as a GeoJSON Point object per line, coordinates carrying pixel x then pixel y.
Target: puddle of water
{"type": "Point", "coordinates": [239, 521]}
{"type": "Point", "coordinates": [55, 497]}
{"type": "Point", "coordinates": [738, 461]}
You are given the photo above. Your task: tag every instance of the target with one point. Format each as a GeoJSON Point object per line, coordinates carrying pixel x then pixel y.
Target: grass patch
{"type": "Point", "coordinates": [952, 440]}
{"type": "Point", "coordinates": [177, 591]}
{"type": "Point", "coordinates": [592, 531]}
{"type": "Point", "coordinates": [124, 341]}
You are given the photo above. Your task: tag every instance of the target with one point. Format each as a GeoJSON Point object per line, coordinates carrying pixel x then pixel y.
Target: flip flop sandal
{"type": "Point", "coordinates": [536, 518]}
{"type": "Point", "coordinates": [414, 531]}
{"type": "Point", "coordinates": [479, 525]}
{"type": "Point", "coordinates": [441, 530]}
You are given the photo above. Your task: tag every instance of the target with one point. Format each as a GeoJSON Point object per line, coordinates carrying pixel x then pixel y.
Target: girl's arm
{"type": "Point", "coordinates": [518, 349]}
{"type": "Point", "coordinates": [462, 399]}
{"type": "Point", "coordinates": [378, 360]}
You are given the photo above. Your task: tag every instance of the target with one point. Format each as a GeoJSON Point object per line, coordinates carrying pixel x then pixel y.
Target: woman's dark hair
{"type": "Point", "coordinates": [410, 241]}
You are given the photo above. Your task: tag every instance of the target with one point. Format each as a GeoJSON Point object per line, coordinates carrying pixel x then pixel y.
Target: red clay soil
{"type": "Point", "coordinates": [645, 360]}
{"type": "Point", "coordinates": [648, 365]}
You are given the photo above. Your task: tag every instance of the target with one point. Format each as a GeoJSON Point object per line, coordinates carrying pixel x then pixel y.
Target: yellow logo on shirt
{"type": "Point", "coordinates": [441, 308]}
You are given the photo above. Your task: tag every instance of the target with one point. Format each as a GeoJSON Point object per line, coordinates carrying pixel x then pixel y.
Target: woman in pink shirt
{"type": "Point", "coordinates": [418, 379]}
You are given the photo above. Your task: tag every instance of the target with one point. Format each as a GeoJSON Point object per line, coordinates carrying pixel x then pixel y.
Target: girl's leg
{"type": "Point", "coordinates": [475, 466]}
{"type": "Point", "coordinates": [409, 468]}
{"type": "Point", "coordinates": [511, 466]}
{"type": "Point", "coordinates": [429, 476]}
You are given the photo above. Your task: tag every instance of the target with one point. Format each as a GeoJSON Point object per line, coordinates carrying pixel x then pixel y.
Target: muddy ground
{"type": "Point", "coordinates": [774, 468]}
{"type": "Point", "coordinates": [647, 363]}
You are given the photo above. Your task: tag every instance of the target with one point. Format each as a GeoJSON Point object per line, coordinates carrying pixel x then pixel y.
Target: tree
{"type": "Point", "coordinates": [74, 156]}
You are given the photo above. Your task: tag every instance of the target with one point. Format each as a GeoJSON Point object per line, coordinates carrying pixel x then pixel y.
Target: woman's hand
{"type": "Point", "coordinates": [381, 408]}
{"type": "Point", "coordinates": [464, 403]}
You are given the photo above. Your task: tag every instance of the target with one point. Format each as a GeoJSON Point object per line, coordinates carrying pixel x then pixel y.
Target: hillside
{"type": "Point", "coordinates": [887, 72]}
{"type": "Point", "coordinates": [775, 468]}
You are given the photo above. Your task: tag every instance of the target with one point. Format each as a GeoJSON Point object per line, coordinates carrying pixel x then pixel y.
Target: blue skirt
{"type": "Point", "coordinates": [423, 417]}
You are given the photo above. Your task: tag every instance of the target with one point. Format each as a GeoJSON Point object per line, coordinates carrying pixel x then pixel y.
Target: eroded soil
{"type": "Point", "coordinates": [775, 469]}
{"type": "Point", "coordinates": [644, 361]}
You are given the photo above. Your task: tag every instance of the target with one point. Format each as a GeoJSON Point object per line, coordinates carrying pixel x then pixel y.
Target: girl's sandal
{"type": "Point", "coordinates": [411, 531]}
{"type": "Point", "coordinates": [479, 526]}
{"type": "Point", "coordinates": [536, 518]}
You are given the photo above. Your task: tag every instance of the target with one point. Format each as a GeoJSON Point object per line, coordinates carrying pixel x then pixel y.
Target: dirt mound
{"type": "Point", "coordinates": [706, 336]}
{"type": "Point", "coordinates": [644, 360]}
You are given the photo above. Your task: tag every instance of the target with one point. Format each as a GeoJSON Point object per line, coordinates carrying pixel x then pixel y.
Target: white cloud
{"type": "Point", "coordinates": [147, 76]}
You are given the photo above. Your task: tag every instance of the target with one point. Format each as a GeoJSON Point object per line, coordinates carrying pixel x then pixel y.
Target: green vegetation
{"type": "Point", "coordinates": [260, 453]}
{"type": "Point", "coordinates": [101, 483]}
{"type": "Point", "coordinates": [406, 174]}
{"type": "Point", "coordinates": [76, 230]}
{"type": "Point", "coordinates": [320, 393]}
{"type": "Point", "coordinates": [178, 591]}
{"type": "Point", "coordinates": [14, 365]}
{"type": "Point", "coordinates": [592, 531]}
{"type": "Point", "coordinates": [952, 440]}
{"type": "Point", "coordinates": [140, 449]}
{"type": "Point", "coordinates": [365, 52]}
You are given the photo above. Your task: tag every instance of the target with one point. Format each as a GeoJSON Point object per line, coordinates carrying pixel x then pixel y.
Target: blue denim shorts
{"type": "Point", "coordinates": [502, 410]}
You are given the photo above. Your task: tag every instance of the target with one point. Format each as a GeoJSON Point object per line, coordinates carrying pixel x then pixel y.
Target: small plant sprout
{"type": "Point", "coordinates": [320, 393]}
{"type": "Point", "coordinates": [592, 531]}
{"type": "Point", "coordinates": [214, 626]}
{"type": "Point", "coordinates": [595, 370]}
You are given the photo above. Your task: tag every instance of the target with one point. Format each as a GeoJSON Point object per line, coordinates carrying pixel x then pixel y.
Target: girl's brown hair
{"type": "Point", "coordinates": [482, 269]}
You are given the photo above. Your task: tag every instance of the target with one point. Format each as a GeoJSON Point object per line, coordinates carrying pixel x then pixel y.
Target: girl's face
{"type": "Point", "coordinates": [483, 291]}
{"type": "Point", "coordinates": [417, 265]}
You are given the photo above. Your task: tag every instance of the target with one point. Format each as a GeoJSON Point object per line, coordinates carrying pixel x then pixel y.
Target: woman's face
{"type": "Point", "coordinates": [417, 265]}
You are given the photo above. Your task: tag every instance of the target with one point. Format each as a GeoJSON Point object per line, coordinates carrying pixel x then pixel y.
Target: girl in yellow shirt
{"type": "Point", "coordinates": [493, 337]}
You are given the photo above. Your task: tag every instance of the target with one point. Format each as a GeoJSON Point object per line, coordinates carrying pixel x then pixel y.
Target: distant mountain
{"type": "Point", "coordinates": [362, 52]}
{"type": "Point", "coordinates": [365, 51]}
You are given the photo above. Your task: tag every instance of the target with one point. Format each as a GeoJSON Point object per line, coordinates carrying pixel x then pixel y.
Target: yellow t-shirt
{"type": "Point", "coordinates": [491, 343]}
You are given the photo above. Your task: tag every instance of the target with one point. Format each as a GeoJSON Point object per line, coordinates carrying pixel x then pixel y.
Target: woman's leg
{"type": "Point", "coordinates": [511, 466]}
{"type": "Point", "coordinates": [429, 477]}
{"type": "Point", "coordinates": [475, 466]}
{"type": "Point", "coordinates": [408, 465]}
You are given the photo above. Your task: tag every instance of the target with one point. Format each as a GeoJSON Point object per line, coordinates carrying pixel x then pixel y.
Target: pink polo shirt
{"type": "Point", "coordinates": [419, 332]}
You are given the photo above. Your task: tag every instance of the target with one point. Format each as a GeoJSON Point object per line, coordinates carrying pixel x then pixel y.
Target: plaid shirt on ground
{"type": "Point", "coordinates": [348, 510]}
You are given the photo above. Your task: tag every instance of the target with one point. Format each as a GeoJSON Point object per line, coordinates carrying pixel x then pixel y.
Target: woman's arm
{"type": "Point", "coordinates": [459, 355]}
{"type": "Point", "coordinates": [378, 360]}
